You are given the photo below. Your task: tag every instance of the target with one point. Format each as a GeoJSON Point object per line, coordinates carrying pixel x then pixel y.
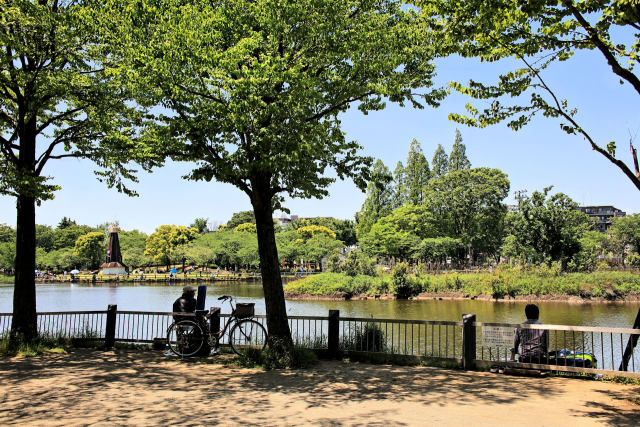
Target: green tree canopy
{"type": "Point", "coordinates": [549, 225]}
{"type": "Point", "coordinates": [399, 234]}
{"type": "Point", "coordinates": [378, 200]}
{"type": "Point", "coordinates": [440, 162]}
{"type": "Point", "coordinates": [247, 227]}
{"type": "Point", "coordinates": [225, 248]}
{"type": "Point", "coordinates": [58, 260]}
{"type": "Point", "coordinates": [199, 254]}
{"type": "Point", "coordinates": [238, 218]}
{"type": "Point", "coordinates": [416, 173]}
{"type": "Point", "coordinates": [254, 90]}
{"type": "Point", "coordinates": [345, 230]}
{"type": "Point", "coordinates": [163, 243]}
{"type": "Point", "coordinates": [132, 246]}
{"type": "Point", "coordinates": [468, 205]}
{"type": "Point", "coordinates": [318, 247]}
{"type": "Point", "coordinates": [458, 158]}
{"type": "Point", "coordinates": [440, 248]}
{"type": "Point", "coordinates": [66, 222]}
{"type": "Point", "coordinates": [399, 187]}
{"type": "Point", "coordinates": [90, 249]}
{"type": "Point", "coordinates": [626, 231]}
{"type": "Point", "coordinates": [7, 233]}
{"type": "Point", "coordinates": [592, 244]}
{"type": "Point", "coordinates": [66, 237]}
{"type": "Point", "coordinates": [45, 237]}
{"type": "Point", "coordinates": [200, 224]}
{"type": "Point", "coordinates": [309, 231]}
{"type": "Point", "coordinates": [7, 255]}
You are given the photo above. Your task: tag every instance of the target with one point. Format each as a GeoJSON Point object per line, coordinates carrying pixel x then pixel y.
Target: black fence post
{"type": "Point", "coordinates": [214, 320]}
{"type": "Point", "coordinates": [202, 296]}
{"type": "Point", "coordinates": [334, 332]}
{"type": "Point", "coordinates": [110, 332]}
{"type": "Point", "coordinates": [468, 341]}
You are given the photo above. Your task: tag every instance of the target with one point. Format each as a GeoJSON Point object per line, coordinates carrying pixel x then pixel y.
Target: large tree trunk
{"type": "Point", "coordinates": [24, 324]}
{"type": "Point", "coordinates": [277, 322]}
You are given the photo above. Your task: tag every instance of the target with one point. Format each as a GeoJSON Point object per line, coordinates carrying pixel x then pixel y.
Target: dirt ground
{"type": "Point", "coordinates": [90, 387]}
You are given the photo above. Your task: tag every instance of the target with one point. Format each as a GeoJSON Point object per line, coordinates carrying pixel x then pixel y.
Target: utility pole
{"type": "Point", "coordinates": [518, 194]}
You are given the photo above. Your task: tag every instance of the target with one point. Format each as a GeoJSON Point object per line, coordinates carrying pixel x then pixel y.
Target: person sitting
{"type": "Point", "coordinates": [531, 344]}
{"type": "Point", "coordinates": [185, 304]}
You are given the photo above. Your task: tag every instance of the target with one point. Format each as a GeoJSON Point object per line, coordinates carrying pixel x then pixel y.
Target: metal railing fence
{"type": "Point", "coordinates": [598, 350]}
{"type": "Point", "coordinates": [79, 324]}
{"type": "Point", "coordinates": [67, 324]}
{"type": "Point", "coordinates": [422, 338]}
{"type": "Point", "coordinates": [5, 324]}
{"type": "Point", "coordinates": [571, 348]}
{"type": "Point", "coordinates": [141, 327]}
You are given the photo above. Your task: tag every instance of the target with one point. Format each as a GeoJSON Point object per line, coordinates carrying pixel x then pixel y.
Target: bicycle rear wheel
{"type": "Point", "coordinates": [247, 334]}
{"type": "Point", "coordinates": [185, 338]}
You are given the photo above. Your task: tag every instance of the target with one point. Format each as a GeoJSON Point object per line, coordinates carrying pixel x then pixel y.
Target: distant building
{"type": "Point", "coordinates": [283, 220]}
{"type": "Point", "coordinates": [602, 215]}
{"type": "Point", "coordinates": [113, 263]}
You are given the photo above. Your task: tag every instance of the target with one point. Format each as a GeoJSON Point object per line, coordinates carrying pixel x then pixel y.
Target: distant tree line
{"type": "Point", "coordinates": [454, 214]}
{"type": "Point", "coordinates": [233, 245]}
{"type": "Point", "coordinates": [451, 215]}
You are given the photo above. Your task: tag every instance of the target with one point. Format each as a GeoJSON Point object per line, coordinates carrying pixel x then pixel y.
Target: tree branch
{"type": "Point", "coordinates": [602, 47]}
{"type": "Point", "coordinates": [64, 156]}
{"type": "Point", "coordinates": [57, 117]}
{"type": "Point", "coordinates": [619, 163]}
{"type": "Point", "coordinates": [337, 107]}
{"type": "Point", "coordinates": [634, 154]}
{"type": "Point", "coordinates": [46, 155]}
{"type": "Point", "coordinates": [232, 180]}
{"type": "Point", "coordinates": [196, 93]}
{"type": "Point", "coordinates": [558, 108]}
{"type": "Point", "coordinates": [7, 149]}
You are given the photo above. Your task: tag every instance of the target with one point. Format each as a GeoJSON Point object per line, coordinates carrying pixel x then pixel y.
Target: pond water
{"type": "Point", "coordinates": [160, 297]}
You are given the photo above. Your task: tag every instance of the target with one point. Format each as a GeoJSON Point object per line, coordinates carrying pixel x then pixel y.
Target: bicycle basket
{"type": "Point", "coordinates": [244, 310]}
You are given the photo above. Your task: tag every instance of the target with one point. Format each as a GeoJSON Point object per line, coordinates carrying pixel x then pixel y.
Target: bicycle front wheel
{"type": "Point", "coordinates": [185, 338]}
{"type": "Point", "coordinates": [247, 334]}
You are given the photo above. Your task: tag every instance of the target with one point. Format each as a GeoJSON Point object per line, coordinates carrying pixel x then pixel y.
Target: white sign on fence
{"type": "Point", "coordinates": [497, 336]}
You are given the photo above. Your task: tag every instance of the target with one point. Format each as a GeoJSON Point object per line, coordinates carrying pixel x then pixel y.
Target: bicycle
{"type": "Point", "coordinates": [187, 337]}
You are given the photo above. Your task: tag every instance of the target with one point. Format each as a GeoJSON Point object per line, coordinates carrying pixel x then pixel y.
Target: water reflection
{"type": "Point", "coordinates": [159, 297]}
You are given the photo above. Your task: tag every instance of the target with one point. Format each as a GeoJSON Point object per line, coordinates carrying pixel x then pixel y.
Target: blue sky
{"type": "Point", "coordinates": [535, 157]}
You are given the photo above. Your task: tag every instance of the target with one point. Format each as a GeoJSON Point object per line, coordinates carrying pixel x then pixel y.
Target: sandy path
{"type": "Point", "coordinates": [88, 387]}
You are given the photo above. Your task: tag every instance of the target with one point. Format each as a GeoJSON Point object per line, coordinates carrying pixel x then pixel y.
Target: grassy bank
{"type": "Point", "coordinates": [7, 279]}
{"type": "Point", "coordinates": [505, 281]}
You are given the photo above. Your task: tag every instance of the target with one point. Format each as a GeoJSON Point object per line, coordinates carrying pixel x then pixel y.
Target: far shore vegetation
{"type": "Point", "coordinates": [504, 282]}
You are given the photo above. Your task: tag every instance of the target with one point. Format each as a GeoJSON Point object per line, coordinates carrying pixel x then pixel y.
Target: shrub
{"type": "Point", "coordinates": [633, 260]}
{"type": "Point", "coordinates": [279, 355]}
{"type": "Point", "coordinates": [354, 264]}
{"type": "Point", "coordinates": [331, 283]}
{"type": "Point", "coordinates": [402, 286]}
{"type": "Point", "coordinates": [369, 338]}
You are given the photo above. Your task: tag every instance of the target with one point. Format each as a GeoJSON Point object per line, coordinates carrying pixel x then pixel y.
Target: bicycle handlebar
{"type": "Point", "coordinates": [224, 297]}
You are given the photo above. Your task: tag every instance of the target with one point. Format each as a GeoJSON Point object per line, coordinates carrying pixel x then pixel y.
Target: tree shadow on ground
{"type": "Point", "coordinates": [129, 387]}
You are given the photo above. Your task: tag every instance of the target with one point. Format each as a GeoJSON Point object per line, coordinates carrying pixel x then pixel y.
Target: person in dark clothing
{"type": "Point", "coordinates": [185, 304]}
{"type": "Point", "coordinates": [531, 344]}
